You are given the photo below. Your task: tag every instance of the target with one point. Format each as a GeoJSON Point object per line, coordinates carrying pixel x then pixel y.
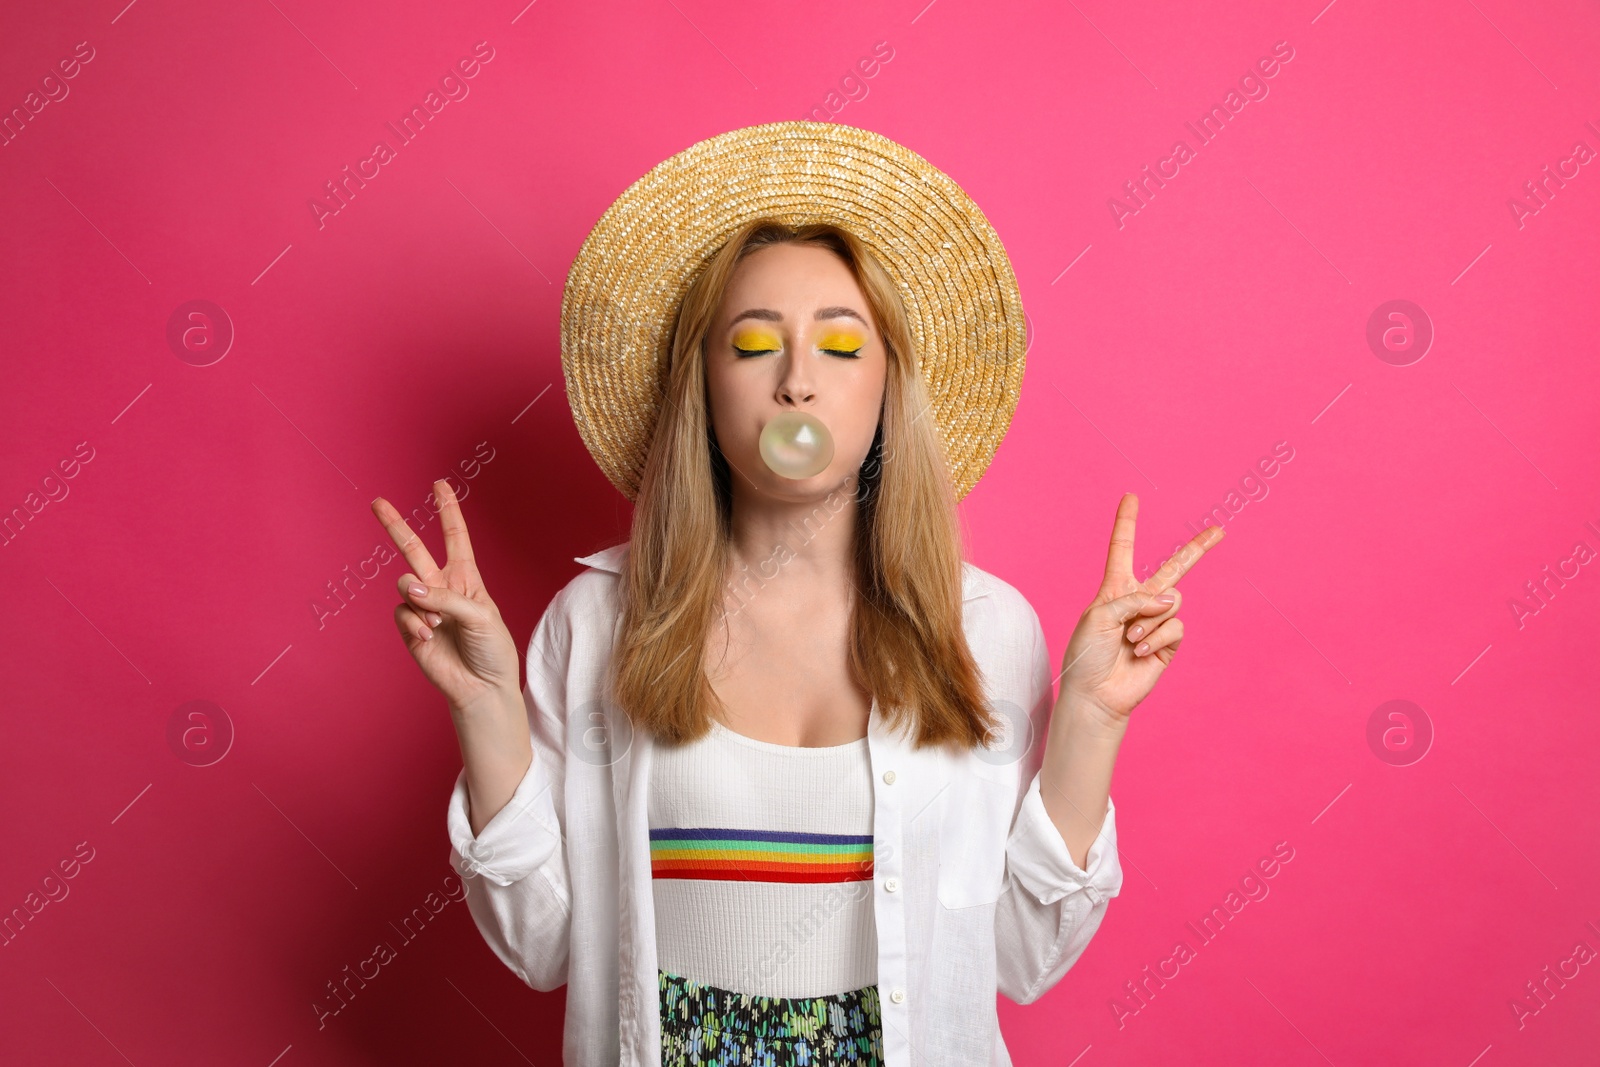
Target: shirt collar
{"type": "Point", "coordinates": [610, 559]}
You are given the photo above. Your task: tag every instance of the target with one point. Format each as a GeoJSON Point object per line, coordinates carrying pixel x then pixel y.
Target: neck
{"type": "Point", "coordinates": [802, 544]}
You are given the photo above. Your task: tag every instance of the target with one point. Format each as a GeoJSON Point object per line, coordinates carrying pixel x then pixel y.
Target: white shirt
{"type": "Point", "coordinates": [761, 857]}
{"type": "Point", "coordinates": [975, 890]}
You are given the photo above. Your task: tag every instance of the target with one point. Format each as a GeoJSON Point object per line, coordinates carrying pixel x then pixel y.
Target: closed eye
{"type": "Point", "coordinates": [745, 353]}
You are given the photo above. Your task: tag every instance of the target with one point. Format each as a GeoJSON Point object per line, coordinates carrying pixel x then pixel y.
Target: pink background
{"type": "Point", "coordinates": [413, 335]}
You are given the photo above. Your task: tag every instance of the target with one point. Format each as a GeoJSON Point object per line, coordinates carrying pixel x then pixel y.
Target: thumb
{"type": "Point", "coordinates": [443, 600]}
{"type": "Point", "coordinates": [1139, 602]}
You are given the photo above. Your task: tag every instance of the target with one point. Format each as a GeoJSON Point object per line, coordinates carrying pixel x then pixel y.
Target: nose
{"type": "Point", "coordinates": [796, 386]}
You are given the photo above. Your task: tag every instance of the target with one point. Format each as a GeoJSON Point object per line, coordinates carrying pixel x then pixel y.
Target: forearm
{"type": "Point", "coordinates": [1075, 777]}
{"type": "Point", "coordinates": [496, 751]}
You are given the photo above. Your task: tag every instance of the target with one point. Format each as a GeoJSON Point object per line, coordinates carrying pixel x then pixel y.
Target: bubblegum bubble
{"type": "Point", "coordinates": [796, 445]}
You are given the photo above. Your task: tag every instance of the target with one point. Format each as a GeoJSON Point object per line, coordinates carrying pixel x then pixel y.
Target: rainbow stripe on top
{"type": "Point", "coordinates": [759, 855]}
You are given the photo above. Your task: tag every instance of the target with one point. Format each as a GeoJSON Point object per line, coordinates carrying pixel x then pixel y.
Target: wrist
{"type": "Point", "coordinates": [1088, 718]}
{"type": "Point", "coordinates": [490, 703]}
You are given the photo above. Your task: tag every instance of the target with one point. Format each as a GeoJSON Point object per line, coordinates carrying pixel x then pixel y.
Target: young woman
{"type": "Point", "coordinates": [787, 782]}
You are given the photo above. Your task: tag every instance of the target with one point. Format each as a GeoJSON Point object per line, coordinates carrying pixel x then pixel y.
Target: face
{"type": "Point", "coordinates": [794, 332]}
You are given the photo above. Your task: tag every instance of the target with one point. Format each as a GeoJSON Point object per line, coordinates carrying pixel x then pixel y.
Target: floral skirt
{"type": "Point", "coordinates": [707, 1026]}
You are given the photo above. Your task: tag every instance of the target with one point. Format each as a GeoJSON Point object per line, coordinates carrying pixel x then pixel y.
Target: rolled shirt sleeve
{"type": "Point", "coordinates": [1040, 860]}
{"type": "Point", "coordinates": [518, 840]}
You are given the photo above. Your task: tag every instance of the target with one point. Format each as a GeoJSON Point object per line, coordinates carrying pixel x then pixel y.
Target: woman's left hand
{"type": "Point", "coordinates": [1128, 634]}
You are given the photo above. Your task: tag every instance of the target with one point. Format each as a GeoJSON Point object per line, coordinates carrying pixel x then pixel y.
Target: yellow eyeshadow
{"type": "Point", "coordinates": [756, 340]}
{"type": "Point", "coordinates": [841, 341]}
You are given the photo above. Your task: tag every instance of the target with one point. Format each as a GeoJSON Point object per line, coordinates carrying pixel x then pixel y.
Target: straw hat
{"type": "Point", "coordinates": [952, 272]}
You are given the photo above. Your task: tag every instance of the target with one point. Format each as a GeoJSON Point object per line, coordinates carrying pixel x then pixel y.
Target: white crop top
{"type": "Point", "coordinates": [761, 856]}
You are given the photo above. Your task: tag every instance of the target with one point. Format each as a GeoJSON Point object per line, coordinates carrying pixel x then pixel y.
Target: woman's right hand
{"type": "Point", "coordinates": [453, 630]}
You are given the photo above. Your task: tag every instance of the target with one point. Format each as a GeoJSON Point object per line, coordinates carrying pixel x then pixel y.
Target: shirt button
{"type": "Point", "coordinates": [888, 778]}
{"type": "Point", "coordinates": [898, 995]}
{"type": "Point", "coordinates": [891, 884]}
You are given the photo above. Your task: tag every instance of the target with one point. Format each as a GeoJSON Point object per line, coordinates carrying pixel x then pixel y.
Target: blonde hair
{"type": "Point", "coordinates": [906, 641]}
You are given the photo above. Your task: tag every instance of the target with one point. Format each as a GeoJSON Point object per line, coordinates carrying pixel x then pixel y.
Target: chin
{"type": "Point", "coordinates": [817, 487]}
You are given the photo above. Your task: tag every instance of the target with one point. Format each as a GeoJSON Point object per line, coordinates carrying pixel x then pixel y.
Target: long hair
{"type": "Point", "coordinates": [906, 641]}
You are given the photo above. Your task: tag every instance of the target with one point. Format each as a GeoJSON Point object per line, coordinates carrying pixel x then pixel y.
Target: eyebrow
{"type": "Point", "coordinates": [768, 315]}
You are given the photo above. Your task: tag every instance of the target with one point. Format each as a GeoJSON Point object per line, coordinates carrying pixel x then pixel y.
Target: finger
{"type": "Point", "coordinates": [1141, 627]}
{"type": "Point", "coordinates": [457, 547]}
{"type": "Point", "coordinates": [1166, 636]}
{"type": "Point", "coordinates": [1119, 556]}
{"type": "Point", "coordinates": [1178, 564]}
{"type": "Point", "coordinates": [405, 539]}
{"type": "Point", "coordinates": [1141, 602]}
{"type": "Point", "coordinates": [442, 601]}
{"type": "Point", "coordinates": [410, 624]}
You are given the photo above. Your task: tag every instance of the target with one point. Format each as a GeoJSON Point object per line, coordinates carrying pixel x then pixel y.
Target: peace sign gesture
{"type": "Point", "coordinates": [1129, 632]}
{"type": "Point", "coordinates": [451, 628]}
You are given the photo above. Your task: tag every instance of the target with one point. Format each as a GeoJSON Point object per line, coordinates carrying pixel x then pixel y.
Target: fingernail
{"type": "Point", "coordinates": [1144, 646]}
{"type": "Point", "coordinates": [434, 619]}
{"type": "Point", "coordinates": [427, 634]}
{"type": "Point", "coordinates": [1165, 598]}
{"type": "Point", "coordinates": [419, 590]}
{"type": "Point", "coordinates": [1136, 633]}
